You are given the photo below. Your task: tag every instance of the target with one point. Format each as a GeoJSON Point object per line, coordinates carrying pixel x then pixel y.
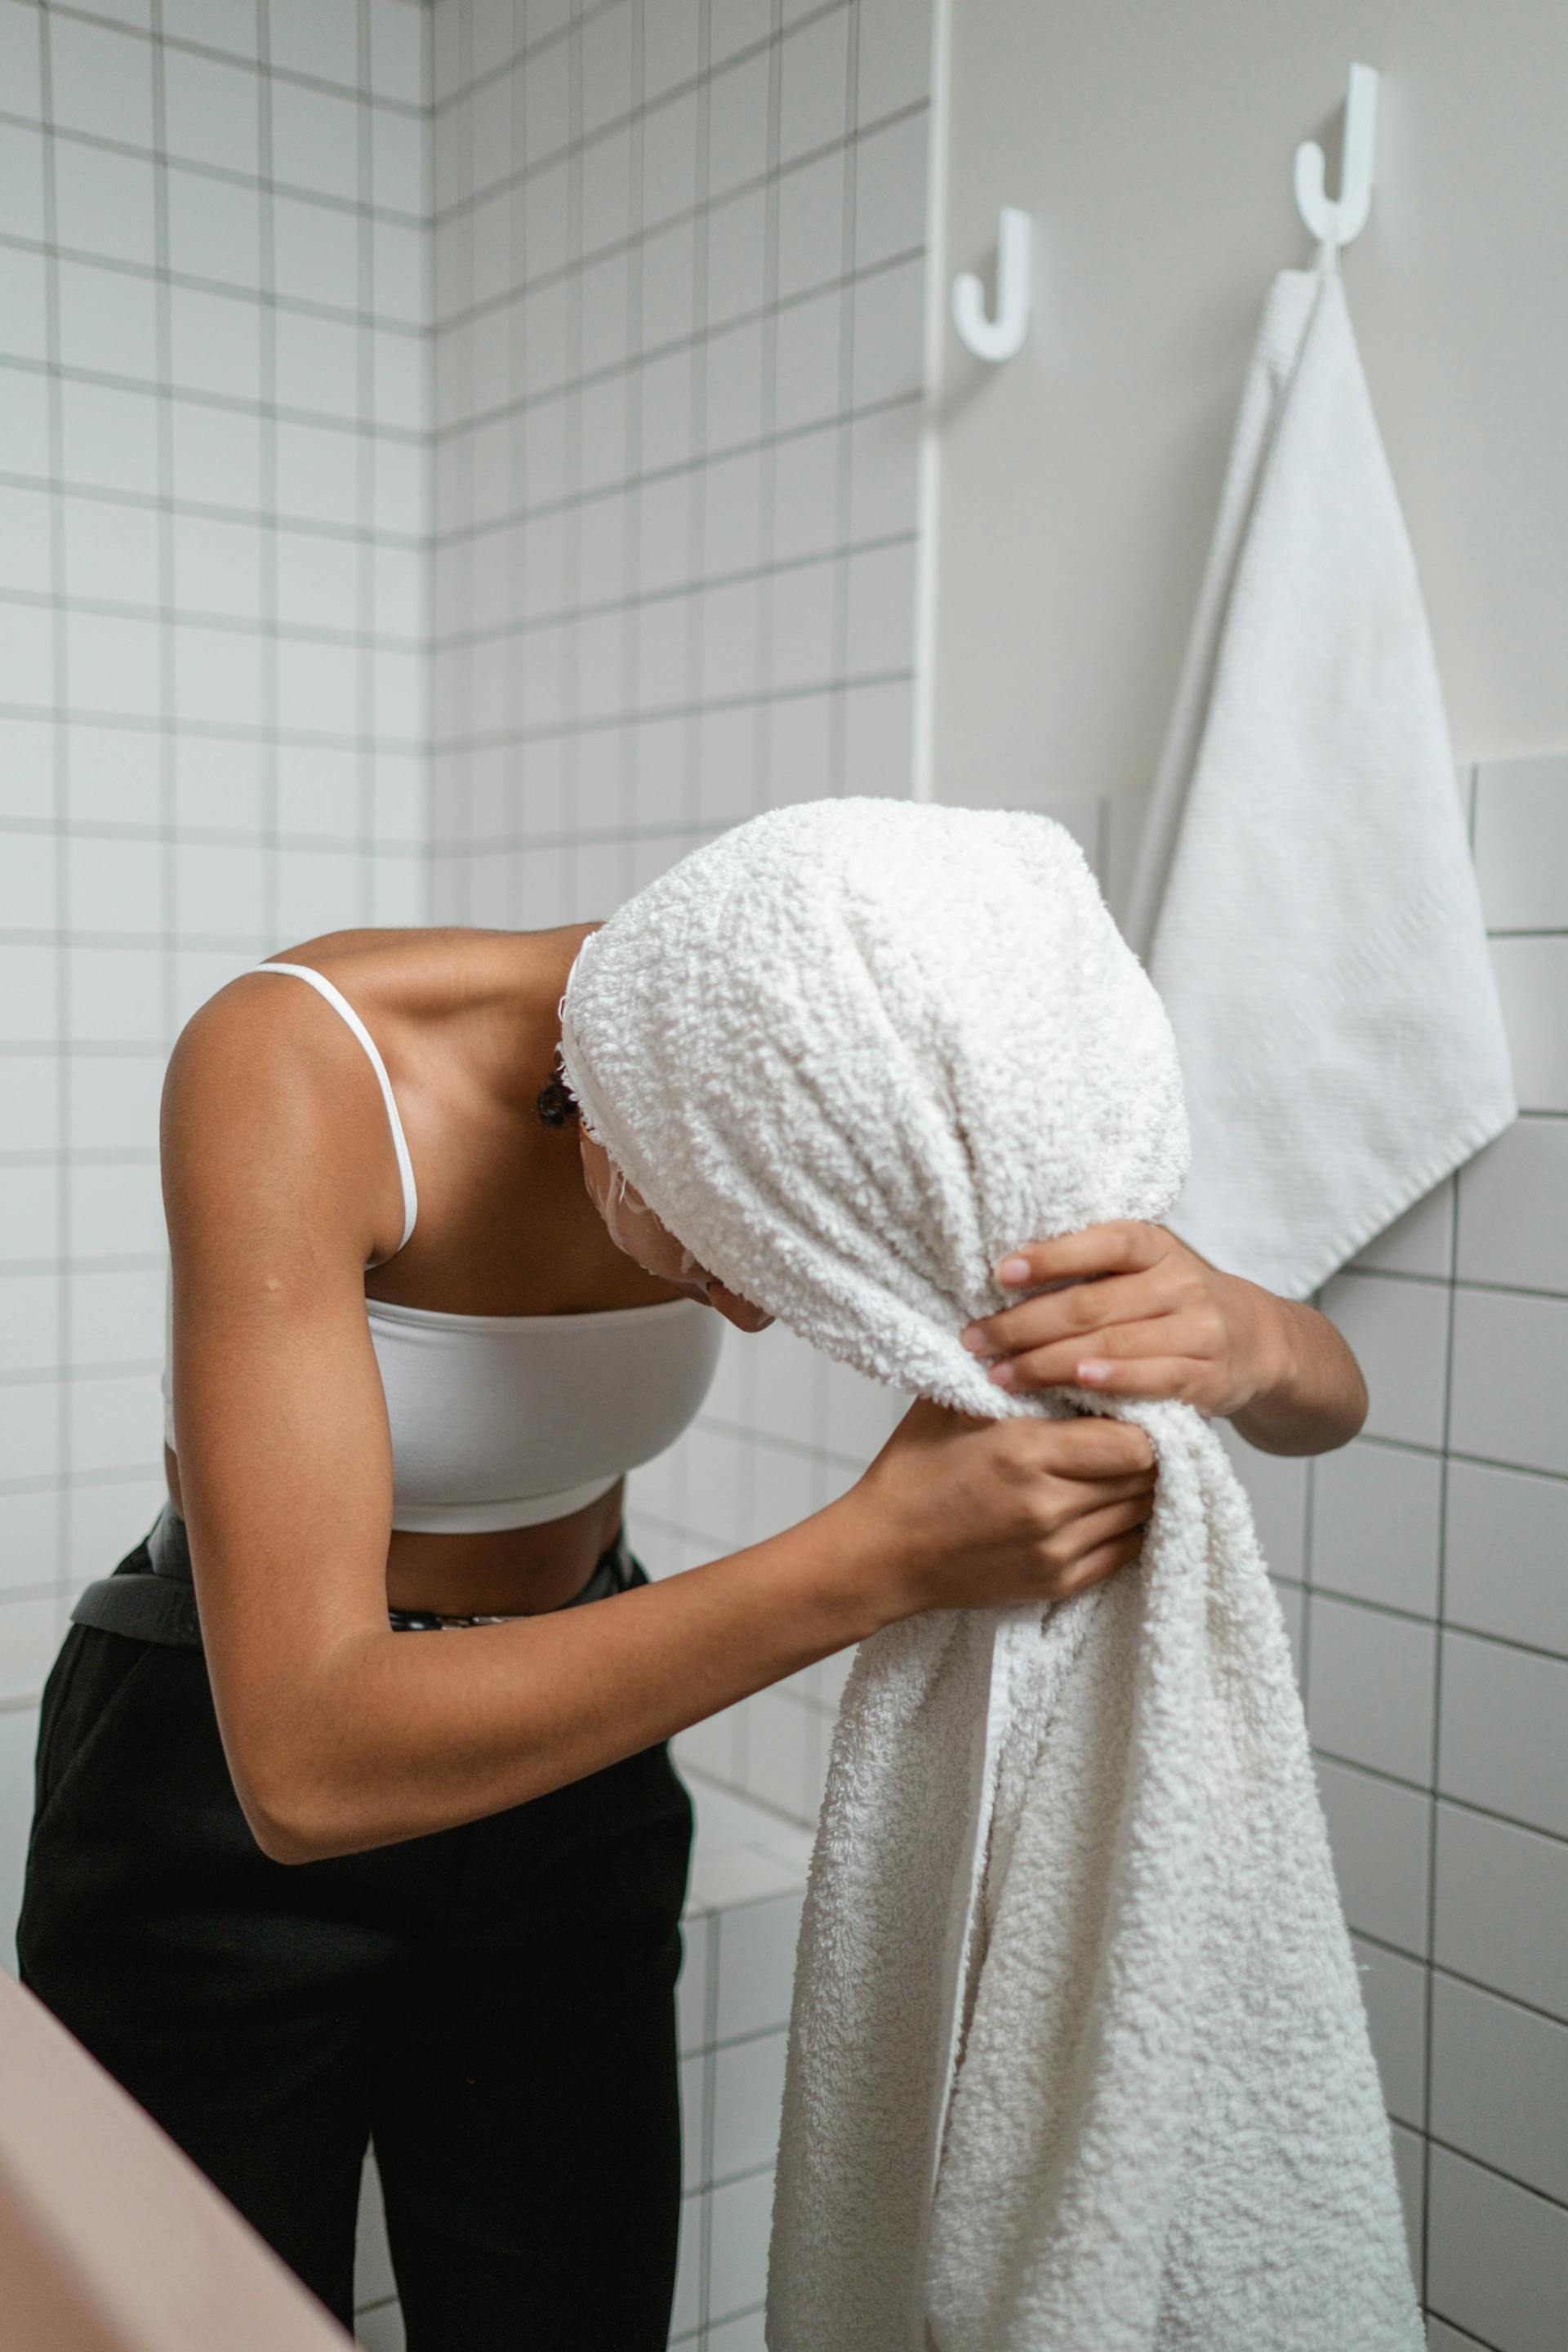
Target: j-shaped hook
{"type": "Point", "coordinates": [998, 338]}
{"type": "Point", "coordinates": [1336, 223]}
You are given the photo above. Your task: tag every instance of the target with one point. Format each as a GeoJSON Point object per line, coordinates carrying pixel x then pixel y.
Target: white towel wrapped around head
{"type": "Point", "coordinates": [1076, 2057]}
{"type": "Point", "coordinates": [821, 1049]}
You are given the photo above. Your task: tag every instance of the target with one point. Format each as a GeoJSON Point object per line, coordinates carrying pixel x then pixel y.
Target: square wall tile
{"type": "Point", "coordinates": [108, 438]}
{"type": "Point", "coordinates": [23, 330]}
{"type": "Point", "coordinates": [1499, 2084]}
{"type": "Point", "coordinates": [211, 110]}
{"type": "Point", "coordinates": [1393, 1990]}
{"type": "Point", "coordinates": [214, 228]}
{"type": "Point", "coordinates": [1376, 1524]}
{"type": "Point", "coordinates": [1276, 1486]}
{"type": "Point", "coordinates": [398, 41]}
{"type": "Point", "coordinates": [109, 321]}
{"type": "Point", "coordinates": [315, 138]}
{"type": "Point", "coordinates": [1418, 1241]}
{"type": "Point", "coordinates": [1510, 1364]}
{"type": "Point", "coordinates": [888, 336]}
{"type": "Point", "coordinates": [890, 191]}
{"type": "Point", "coordinates": [1533, 984]}
{"type": "Point", "coordinates": [1501, 1908]}
{"type": "Point", "coordinates": [217, 24]}
{"type": "Point", "coordinates": [103, 203]}
{"type": "Point", "coordinates": [100, 81]}
{"type": "Point", "coordinates": [322, 41]}
{"type": "Point", "coordinates": [19, 72]}
{"type": "Point", "coordinates": [738, 2258]}
{"type": "Point", "coordinates": [893, 58]}
{"type": "Point", "coordinates": [745, 2334]}
{"type": "Point", "coordinates": [1521, 844]}
{"type": "Point", "coordinates": [1499, 2256]}
{"type": "Point", "coordinates": [755, 1964]}
{"type": "Point", "coordinates": [28, 657]}
{"type": "Point", "coordinates": [1397, 1330]}
{"type": "Point", "coordinates": [23, 417]}
{"type": "Point", "coordinates": [1371, 1688]}
{"type": "Point", "coordinates": [1379, 1834]}
{"type": "Point", "coordinates": [1511, 1227]}
{"type": "Point", "coordinates": [21, 178]}
{"type": "Point", "coordinates": [813, 85]}
{"type": "Point", "coordinates": [748, 2088]}
{"type": "Point", "coordinates": [30, 1631]}
{"type": "Point", "coordinates": [1504, 1742]}
{"type": "Point", "coordinates": [315, 252]}
{"type": "Point", "coordinates": [1410, 2177]}
{"type": "Point", "coordinates": [1507, 1555]}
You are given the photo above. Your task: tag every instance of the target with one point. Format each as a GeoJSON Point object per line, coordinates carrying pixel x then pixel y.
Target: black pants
{"type": "Point", "coordinates": [493, 2004]}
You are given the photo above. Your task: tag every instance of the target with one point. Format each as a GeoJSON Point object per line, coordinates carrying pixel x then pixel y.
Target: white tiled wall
{"type": "Point", "coordinates": [678, 273]}
{"type": "Point", "coordinates": [1424, 1568]}
{"type": "Point", "coordinates": [213, 655]}
{"type": "Point", "coordinates": [679, 260]}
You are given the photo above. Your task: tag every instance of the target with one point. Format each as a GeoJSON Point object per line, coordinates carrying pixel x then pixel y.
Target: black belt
{"type": "Point", "coordinates": [150, 1595]}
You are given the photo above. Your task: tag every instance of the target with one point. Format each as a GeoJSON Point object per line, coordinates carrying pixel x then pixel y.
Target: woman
{"type": "Point", "coordinates": [295, 1880]}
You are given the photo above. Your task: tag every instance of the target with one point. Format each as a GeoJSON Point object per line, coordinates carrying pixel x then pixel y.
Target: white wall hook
{"type": "Point", "coordinates": [1335, 223]}
{"type": "Point", "coordinates": [998, 338]}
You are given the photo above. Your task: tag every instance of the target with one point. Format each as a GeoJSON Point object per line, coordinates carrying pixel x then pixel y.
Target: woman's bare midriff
{"type": "Point", "coordinates": [509, 1571]}
{"type": "Point", "coordinates": [458, 1015]}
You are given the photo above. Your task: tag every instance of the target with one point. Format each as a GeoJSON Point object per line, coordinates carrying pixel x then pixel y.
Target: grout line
{"type": "Point", "coordinates": [1464, 2334]}
{"type": "Point", "coordinates": [59, 701]}
{"type": "Point", "coordinates": [1440, 1796]}
{"type": "Point", "coordinates": [1458, 1976]}
{"type": "Point", "coordinates": [1468, 2156]}
{"type": "Point", "coordinates": [1435, 1771]}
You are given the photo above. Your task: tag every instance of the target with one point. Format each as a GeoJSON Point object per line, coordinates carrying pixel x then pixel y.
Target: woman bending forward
{"type": "Point", "coordinates": [296, 1880]}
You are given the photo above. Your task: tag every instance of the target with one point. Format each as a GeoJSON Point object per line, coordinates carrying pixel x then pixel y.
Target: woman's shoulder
{"type": "Point", "coordinates": [269, 1106]}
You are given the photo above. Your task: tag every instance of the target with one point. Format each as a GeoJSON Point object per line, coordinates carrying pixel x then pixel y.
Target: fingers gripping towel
{"type": "Point", "coordinates": [1077, 2061]}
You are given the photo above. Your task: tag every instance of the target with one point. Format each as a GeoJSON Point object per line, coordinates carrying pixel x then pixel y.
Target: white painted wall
{"type": "Point", "coordinates": [1153, 147]}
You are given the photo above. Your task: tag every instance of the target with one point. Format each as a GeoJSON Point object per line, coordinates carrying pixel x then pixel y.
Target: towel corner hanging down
{"type": "Point", "coordinates": [1305, 899]}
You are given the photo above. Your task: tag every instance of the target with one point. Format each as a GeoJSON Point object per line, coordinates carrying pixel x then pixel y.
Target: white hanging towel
{"type": "Point", "coordinates": [1077, 2061]}
{"type": "Point", "coordinates": [1304, 898]}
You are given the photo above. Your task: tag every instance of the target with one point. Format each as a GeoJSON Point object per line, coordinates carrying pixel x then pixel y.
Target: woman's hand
{"type": "Point", "coordinates": [973, 1514]}
{"type": "Point", "coordinates": [1128, 1309]}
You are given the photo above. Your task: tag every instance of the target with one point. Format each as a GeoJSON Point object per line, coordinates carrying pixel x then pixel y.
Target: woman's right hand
{"type": "Point", "coordinates": [978, 1514]}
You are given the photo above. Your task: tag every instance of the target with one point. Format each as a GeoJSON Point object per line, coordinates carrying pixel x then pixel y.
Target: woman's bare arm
{"type": "Point", "coordinates": [342, 1735]}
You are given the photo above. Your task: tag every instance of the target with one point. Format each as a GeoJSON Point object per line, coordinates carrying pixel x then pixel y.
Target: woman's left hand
{"type": "Point", "coordinates": [1138, 1314]}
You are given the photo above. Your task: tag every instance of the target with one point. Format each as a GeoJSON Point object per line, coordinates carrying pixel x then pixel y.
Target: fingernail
{"type": "Point", "coordinates": [972, 1338]}
{"type": "Point", "coordinates": [1003, 1374]}
{"type": "Point", "coordinates": [1013, 1270]}
{"type": "Point", "coordinates": [1092, 1369]}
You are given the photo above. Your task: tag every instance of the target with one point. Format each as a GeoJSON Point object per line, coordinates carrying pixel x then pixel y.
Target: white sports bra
{"type": "Point", "coordinates": [504, 1421]}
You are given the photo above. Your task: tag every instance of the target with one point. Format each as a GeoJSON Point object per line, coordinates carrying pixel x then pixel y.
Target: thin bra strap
{"type": "Point", "coordinates": [399, 1141]}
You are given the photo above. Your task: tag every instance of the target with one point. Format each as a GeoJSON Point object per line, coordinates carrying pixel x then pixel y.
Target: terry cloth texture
{"type": "Point", "coordinates": [1077, 2057]}
{"type": "Point", "coordinates": [1304, 899]}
